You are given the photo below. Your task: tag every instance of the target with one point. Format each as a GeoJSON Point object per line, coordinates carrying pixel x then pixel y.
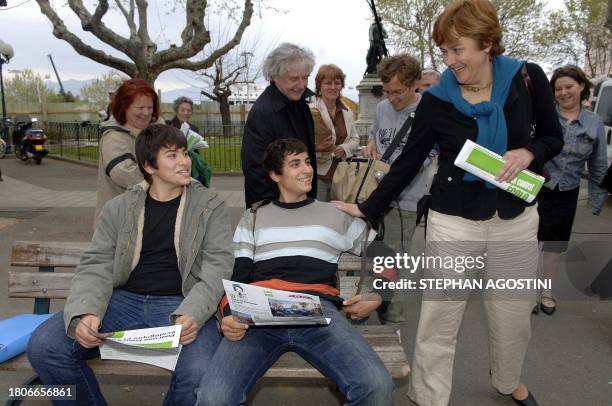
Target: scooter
{"type": "Point", "coordinates": [29, 142]}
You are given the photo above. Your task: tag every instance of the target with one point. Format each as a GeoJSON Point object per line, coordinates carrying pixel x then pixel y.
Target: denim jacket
{"type": "Point", "coordinates": [584, 141]}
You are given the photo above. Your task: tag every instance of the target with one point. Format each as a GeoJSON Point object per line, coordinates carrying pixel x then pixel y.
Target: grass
{"type": "Point", "coordinates": [223, 154]}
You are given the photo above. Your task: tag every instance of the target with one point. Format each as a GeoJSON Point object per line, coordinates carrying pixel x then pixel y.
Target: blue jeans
{"type": "Point", "coordinates": [337, 350]}
{"type": "Point", "coordinates": [60, 360]}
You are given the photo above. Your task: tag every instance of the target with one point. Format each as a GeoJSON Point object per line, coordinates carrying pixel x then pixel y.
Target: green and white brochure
{"type": "Point", "coordinates": [156, 346]}
{"type": "Point", "coordinates": [486, 164]}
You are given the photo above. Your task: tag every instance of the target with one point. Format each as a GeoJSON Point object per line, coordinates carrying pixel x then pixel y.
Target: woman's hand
{"type": "Point", "coordinates": [327, 145]}
{"type": "Point", "coordinates": [516, 161]}
{"type": "Point", "coordinates": [232, 329]}
{"type": "Point", "coordinates": [339, 152]}
{"type": "Point", "coordinates": [369, 151]}
{"type": "Point", "coordinates": [349, 208]}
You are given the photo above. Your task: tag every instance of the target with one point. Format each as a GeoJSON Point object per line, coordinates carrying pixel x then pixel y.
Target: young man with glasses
{"type": "Point", "coordinates": [401, 75]}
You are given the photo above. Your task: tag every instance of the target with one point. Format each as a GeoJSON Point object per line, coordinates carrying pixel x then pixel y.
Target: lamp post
{"type": "Point", "coordinates": [6, 53]}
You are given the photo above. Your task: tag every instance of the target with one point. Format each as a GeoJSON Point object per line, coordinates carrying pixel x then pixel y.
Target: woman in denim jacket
{"type": "Point", "coordinates": [583, 133]}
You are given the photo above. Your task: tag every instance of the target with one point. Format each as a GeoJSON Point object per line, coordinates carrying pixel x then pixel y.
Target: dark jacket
{"type": "Point", "coordinates": [273, 117]}
{"type": "Point", "coordinates": [175, 122]}
{"type": "Point", "coordinates": [439, 122]}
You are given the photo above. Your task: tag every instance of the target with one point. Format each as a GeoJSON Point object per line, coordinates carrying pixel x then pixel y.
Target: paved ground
{"type": "Point", "coordinates": [569, 361]}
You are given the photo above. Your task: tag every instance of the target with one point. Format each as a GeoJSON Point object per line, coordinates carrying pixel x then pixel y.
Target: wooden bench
{"type": "Point", "coordinates": [46, 284]}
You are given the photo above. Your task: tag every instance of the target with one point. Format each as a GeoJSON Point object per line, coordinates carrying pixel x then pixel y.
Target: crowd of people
{"type": "Point", "coordinates": [163, 242]}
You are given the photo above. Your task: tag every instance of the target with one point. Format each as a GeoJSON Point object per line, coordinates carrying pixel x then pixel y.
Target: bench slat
{"type": "Point", "coordinates": [67, 254]}
{"type": "Point", "coordinates": [55, 285]}
{"type": "Point", "coordinates": [50, 254]}
{"type": "Point", "coordinates": [49, 285]}
{"type": "Point", "coordinates": [382, 339]}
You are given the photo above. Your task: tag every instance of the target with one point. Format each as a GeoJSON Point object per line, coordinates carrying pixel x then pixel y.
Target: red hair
{"type": "Point", "coordinates": [127, 93]}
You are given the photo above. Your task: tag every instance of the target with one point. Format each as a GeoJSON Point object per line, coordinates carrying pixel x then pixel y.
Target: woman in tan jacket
{"type": "Point", "coordinates": [336, 136]}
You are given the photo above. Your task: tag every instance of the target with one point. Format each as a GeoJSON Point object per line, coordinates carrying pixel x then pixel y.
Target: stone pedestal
{"type": "Point", "coordinates": [367, 105]}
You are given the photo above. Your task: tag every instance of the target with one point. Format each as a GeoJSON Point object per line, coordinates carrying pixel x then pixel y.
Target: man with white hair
{"type": "Point", "coordinates": [429, 78]}
{"type": "Point", "coordinates": [280, 112]}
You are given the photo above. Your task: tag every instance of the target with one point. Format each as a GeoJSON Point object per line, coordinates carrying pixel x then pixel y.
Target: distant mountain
{"type": "Point", "coordinates": [71, 85]}
{"type": "Point", "coordinates": [192, 92]}
{"type": "Point", "coordinates": [74, 86]}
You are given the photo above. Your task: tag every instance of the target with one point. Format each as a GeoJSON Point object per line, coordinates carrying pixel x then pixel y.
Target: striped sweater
{"type": "Point", "coordinates": [296, 246]}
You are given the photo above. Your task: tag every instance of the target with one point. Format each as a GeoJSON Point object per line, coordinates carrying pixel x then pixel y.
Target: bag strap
{"type": "Point", "coordinates": [529, 85]}
{"type": "Point", "coordinates": [398, 137]}
{"type": "Point", "coordinates": [363, 178]}
{"type": "Point", "coordinates": [364, 258]}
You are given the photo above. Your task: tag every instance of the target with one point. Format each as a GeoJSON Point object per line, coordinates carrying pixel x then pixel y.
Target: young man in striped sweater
{"type": "Point", "coordinates": [294, 243]}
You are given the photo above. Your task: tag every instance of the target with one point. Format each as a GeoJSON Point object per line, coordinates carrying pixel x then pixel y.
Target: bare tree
{"type": "Point", "coordinates": [239, 66]}
{"type": "Point", "coordinates": [221, 78]}
{"type": "Point", "coordinates": [143, 58]}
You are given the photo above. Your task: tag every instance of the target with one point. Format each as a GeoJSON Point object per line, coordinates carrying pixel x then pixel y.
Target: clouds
{"type": "Point", "coordinates": [336, 31]}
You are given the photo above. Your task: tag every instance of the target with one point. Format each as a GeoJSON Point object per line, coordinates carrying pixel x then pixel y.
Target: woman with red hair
{"type": "Point", "coordinates": [135, 105]}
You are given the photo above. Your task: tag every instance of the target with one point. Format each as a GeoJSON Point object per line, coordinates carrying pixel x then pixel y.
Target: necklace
{"type": "Point", "coordinates": [476, 89]}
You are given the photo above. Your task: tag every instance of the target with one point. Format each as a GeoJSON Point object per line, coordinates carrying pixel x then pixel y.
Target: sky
{"type": "Point", "coordinates": [335, 30]}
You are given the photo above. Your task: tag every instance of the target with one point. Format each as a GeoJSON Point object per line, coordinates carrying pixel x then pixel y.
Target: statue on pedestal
{"type": "Point", "coordinates": [377, 35]}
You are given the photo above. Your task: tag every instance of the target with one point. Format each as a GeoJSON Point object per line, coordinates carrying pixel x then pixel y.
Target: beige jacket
{"type": "Point", "coordinates": [117, 167]}
{"type": "Point", "coordinates": [351, 143]}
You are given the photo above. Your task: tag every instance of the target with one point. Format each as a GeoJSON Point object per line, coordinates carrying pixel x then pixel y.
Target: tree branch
{"type": "Point", "coordinates": [61, 32]}
{"type": "Point", "coordinates": [129, 17]}
{"type": "Point", "coordinates": [95, 26]}
{"type": "Point", "coordinates": [143, 31]}
{"type": "Point", "coordinates": [207, 62]}
{"type": "Point", "coordinates": [209, 95]}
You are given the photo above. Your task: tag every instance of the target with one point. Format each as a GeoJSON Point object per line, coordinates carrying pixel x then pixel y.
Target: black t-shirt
{"type": "Point", "coordinates": [157, 272]}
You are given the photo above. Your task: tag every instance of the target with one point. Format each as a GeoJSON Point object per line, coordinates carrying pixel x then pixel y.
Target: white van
{"type": "Point", "coordinates": [601, 103]}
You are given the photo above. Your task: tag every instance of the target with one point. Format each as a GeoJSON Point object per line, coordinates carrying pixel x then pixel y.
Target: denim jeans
{"type": "Point", "coordinates": [60, 360]}
{"type": "Point", "coordinates": [338, 351]}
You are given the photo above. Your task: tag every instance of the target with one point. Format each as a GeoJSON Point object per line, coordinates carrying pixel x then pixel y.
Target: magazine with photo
{"type": "Point", "coordinates": [259, 306]}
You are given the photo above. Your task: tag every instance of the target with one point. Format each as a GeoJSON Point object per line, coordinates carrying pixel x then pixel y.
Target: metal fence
{"type": "Point", "coordinates": [80, 141]}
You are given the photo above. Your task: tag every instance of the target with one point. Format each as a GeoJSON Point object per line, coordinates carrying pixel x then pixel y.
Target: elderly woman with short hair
{"type": "Point", "coordinates": [280, 112]}
{"type": "Point", "coordinates": [336, 136]}
{"type": "Point", "coordinates": [183, 109]}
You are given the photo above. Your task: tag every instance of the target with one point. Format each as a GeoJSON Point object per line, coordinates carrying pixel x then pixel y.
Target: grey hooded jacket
{"type": "Point", "coordinates": [203, 243]}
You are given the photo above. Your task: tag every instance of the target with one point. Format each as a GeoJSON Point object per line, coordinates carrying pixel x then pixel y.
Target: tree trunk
{"type": "Point", "coordinates": [226, 117]}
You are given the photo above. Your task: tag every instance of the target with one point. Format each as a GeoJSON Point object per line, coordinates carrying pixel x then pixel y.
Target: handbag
{"type": "Point", "coordinates": [356, 178]}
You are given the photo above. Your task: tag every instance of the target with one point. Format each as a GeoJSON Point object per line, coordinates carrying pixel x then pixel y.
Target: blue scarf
{"type": "Point", "coordinates": [492, 131]}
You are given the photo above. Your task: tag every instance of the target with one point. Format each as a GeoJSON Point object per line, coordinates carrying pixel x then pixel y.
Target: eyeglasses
{"type": "Point", "coordinates": [395, 93]}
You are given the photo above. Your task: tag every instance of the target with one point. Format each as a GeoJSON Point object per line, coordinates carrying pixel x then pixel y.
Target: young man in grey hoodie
{"type": "Point", "coordinates": [400, 75]}
{"type": "Point", "coordinates": [158, 255]}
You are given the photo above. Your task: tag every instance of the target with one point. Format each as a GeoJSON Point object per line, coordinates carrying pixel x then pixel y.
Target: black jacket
{"type": "Point", "coordinates": [273, 117]}
{"type": "Point", "coordinates": [175, 122]}
{"type": "Point", "coordinates": [439, 122]}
